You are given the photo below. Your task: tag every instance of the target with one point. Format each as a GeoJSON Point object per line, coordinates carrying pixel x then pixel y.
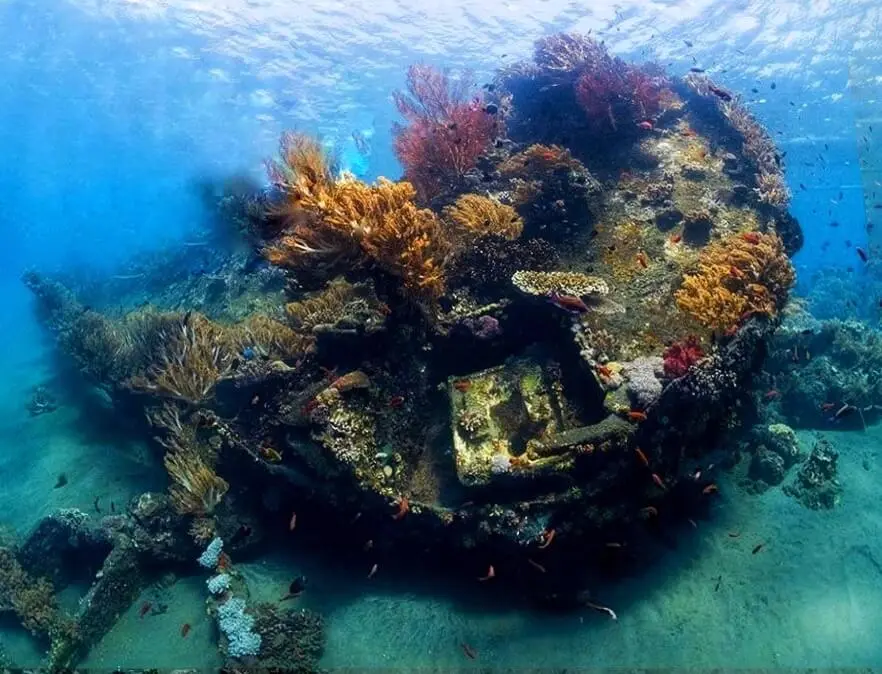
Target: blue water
{"type": "Point", "coordinates": [113, 111]}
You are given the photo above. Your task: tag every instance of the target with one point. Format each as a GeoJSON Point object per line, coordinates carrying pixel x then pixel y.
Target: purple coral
{"type": "Point", "coordinates": [483, 327]}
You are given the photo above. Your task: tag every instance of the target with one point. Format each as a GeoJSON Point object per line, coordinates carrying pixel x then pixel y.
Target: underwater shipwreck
{"type": "Point", "coordinates": [513, 366]}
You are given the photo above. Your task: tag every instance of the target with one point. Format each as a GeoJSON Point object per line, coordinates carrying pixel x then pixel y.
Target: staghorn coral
{"type": "Point", "coordinates": [473, 215]}
{"type": "Point", "coordinates": [196, 489]}
{"type": "Point", "coordinates": [446, 131]}
{"type": "Point", "coordinates": [742, 274]}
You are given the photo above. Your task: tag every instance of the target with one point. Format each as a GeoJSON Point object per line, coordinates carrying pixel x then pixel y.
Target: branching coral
{"type": "Point", "coordinates": [271, 338]}
{"type": "Point", "coordinates": [96, 344]}
{"type": "Point", "coordinates": [348, 218]}
{"type": "Point", "coordinates": [473, 215]}
{"type": "Point", "coordinates": [196, 489]}
{"type": "Point", "coordinates": [341, 302]}
{"type": "Point", "coordinates": [446, 130]}
{"type": "Point", "coordinates": [189, 358]}
{"type": "Point", "coordinates": [742, 274]}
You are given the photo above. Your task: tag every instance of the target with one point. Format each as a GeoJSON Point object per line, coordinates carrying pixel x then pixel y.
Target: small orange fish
{"type": "Point", "coordinates": [710, 489]}
{"type": "Point", "coordinates": [491, 573]}
{"type": "Point", "coordinates": [403, 508]}
{"type": "Point", "coordinates": [751, 237]}
{"type": "Point", "coordinates": [547, 539]}
{"type": "Point", "coordinates": [293, 522]}
{"type": "Point", "coordinates": [569, 303]}
{"type": "Point", "coordinates": [636, 415]}
{"type": "Point", "coordinates": [185, 630]}
{"type": "Point", "coordinates": [676, 238]}
{"type": "Point", "coordinates": [735, 272]}
{"type": "Point", "coordinates": [641, 456]}
{"type": "Point", "coordinates": [604, 371]}
{"type": "Point", "coordinates": [462, 385]}
{"type": "Point", "coordinates": [373, 571]}
{"type": "Point", "coordinates": [641, 259]}
{"type": "Point", "coordinates": [658, 481]}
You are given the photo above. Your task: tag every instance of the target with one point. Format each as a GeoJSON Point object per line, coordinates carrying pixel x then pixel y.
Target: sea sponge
{"type": "Point", "coordinates": [740, 275]}
{"type": "Point", "coordinates": [474, 215]}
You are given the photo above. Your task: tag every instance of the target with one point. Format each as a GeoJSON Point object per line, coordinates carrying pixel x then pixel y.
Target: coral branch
{"type": "Point", "coordinates": [740, 275]}
{"type": "Point", "coordinates": [446, 131]}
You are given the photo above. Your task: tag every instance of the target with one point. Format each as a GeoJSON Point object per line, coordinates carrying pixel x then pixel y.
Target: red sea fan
{"type": "Point", "coordinates": [680, 356]}
{"type": "Point", "coordinates": [614, 94]}
{"type": "Point", "coordinates": [446, 131]}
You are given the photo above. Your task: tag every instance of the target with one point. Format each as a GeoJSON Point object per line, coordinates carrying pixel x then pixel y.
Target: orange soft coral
{"type": "Point", "coordinates": [473, 215]}
{"type": "Point", "coordinates": [348, 219]}
{"type": "Point", "coordinates": [742, 274]}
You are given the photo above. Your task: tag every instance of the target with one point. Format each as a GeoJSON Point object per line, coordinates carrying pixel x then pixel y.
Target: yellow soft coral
{"type": "Point", "coordinates": [473, 215]}
{"type": "Point", "coordinates": [196, 489]}
{"type": "Point", "coordinates": [347, 218]}
{"type": "Point", "coordinates": [742, 274]}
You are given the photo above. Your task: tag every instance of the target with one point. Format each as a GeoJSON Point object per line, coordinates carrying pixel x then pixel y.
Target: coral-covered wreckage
{"type": "Point", "coordinates": [511, 366]}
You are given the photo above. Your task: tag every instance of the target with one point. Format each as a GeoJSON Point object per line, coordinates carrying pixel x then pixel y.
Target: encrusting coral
{"type": "Point", "coordinates": [473, 215]}
{"type": "Point", "coordinates": [738, 276]}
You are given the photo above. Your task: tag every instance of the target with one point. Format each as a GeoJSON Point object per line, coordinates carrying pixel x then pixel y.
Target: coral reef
{"type": "Point", "coordinates": [446, 130]}
{"type": "Point", "coordinates": [529, 269]}
{"type": "Point", "coordinates": [682, 355]}
{"type": "Point", "coordinates": [740, 276]}
{"type": "Point", "coordinates": [337, 221]}
{"type": "Point", "coordinates": [816, 485]}
{"type": "Point", "coordinates": [474, 216]}
{"type": "Point", "coordinates": [196, 489]}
